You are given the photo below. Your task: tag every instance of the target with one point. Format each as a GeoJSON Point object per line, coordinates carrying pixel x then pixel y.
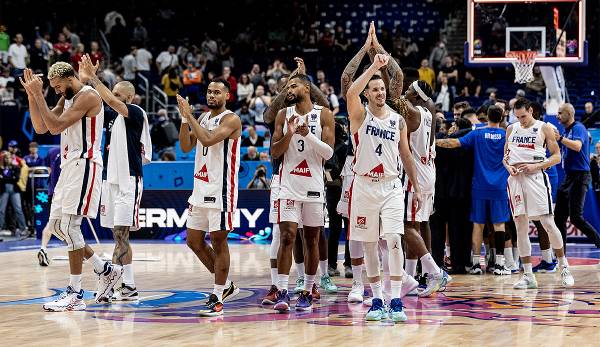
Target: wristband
{"type": "Point", "coordinates": [184, 120]}
{"type": "Point", "coordinates": [561, 138]}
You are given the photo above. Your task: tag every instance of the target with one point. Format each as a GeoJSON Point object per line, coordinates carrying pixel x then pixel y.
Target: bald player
{"type": "Point", "coordinates": [121, 187]}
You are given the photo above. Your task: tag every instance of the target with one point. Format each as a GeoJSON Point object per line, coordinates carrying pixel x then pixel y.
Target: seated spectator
{"type": "Point", "coordinates": [259, 180]}
{"type": "Point", "coordinates": [13, 148]}
{"type": "Point", "coordinates": [33, 159]}
{"type": "Point", "coordinates": [167, 156]}
{"type": "Point", "coordinates": [256, 76]}
{"type": "Point", "coordinates": [245, 89]}
{"type": "Point", "coordinates": [246, 115]}
{"type": "Point", "coordinates": [192, 81]}
{"type": "Point", "coordinates": [164, 134]}
{"type": "Point", "coordinates": [78, 53]}
{"type": "Point", "coordinates": [7, 87]}
{"type": "Point", "coordinates": [251, 155]}
{"type": "Point", "coordinates": [233, 83]}
{"type": "Point", "coordinates": [427, 74]}
{"type": "Point", "coordinates": [589, 118]}
{"type": "Point", "coordinates": [171, 84]}
{"type": "Point", "coordinates": [9, 177]}
{"type": "Point", "coordinates": [472, 86]}
{"type": "Point", "coordinates": [253, 139]}
{"type": "Point", "coordinates": [62, 49]}
{"type": "Point", "coordinates": [95, 54]}
{"type": "Point", "coordinates": [264, 156]}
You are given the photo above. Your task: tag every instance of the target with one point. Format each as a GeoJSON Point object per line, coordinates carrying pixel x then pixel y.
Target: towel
{"type": "Point", "coordinates": [118, 164]}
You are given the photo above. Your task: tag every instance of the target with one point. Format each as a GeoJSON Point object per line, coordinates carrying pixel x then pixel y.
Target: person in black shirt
{"type": "Point", "coordinates": [119, 206]}
{"type": "Point", "coordinates": [253, 139]}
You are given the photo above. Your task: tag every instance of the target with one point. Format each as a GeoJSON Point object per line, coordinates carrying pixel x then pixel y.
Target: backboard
{"type": "Point", "coordinates": [555, 29]}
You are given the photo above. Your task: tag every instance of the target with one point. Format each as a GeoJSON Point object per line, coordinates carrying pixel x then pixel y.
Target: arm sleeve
{"type": "Point", "coordinates": [321, 147]}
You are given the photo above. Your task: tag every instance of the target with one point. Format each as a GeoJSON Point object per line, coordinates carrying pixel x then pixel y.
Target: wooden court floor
{"type": "Point", "coordinates": [473, 311]}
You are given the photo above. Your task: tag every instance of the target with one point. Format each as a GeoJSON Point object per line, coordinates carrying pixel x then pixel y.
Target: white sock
{"type": "Point", "coordinates": [396, 288]}
{"type": "Point", "coordinates": [411, 267]}
{"type": "Point", "coordinates": [377, 290]}
{"type": "Point", "coordinates": [547, 255]}
{"type": "Point", "coordinates": [97, 262]}
{"type": "Point", "coordinates": [500, 260]}
{"type": "Point", "coordinates": [357, 271]}
{"type": "Point", "coordinates": [128, 275]}
{"type": "Point", "coordinates": [309, 280]}
{"type": "Point", "coordinates": [282, 281]}
{"type": "Point", "coordinates": [527, 268]}
{"type": "Point", "coordinates": [447, 249]}
{"type": "Point", "coordinates": [300, 270]}
{"type": "Point", "coordinates": [508, 258]}
{"type": "Point", "coordinates": [218, 291]}
{"type": "Point", "coordinates": [386, 283]}
{"type": "Point", "coordinates": [227, 283]}
{"type": "Point", "coordinates": [323, 267]}
{"type": "Point", "coordinates": [43, 248]}
{"type": "Point", "coordinates": [563, 262]}
{"type": "Point", "coordinates": [475, 259]}
{"type": "Point", "coordinates": [515, 252]}
{"type": "Point", "coordinates": [274, 276]}
{"type": "Point", "coordinates": [429, 265]}
{"type": "Point", "coordinates": [75, 282]}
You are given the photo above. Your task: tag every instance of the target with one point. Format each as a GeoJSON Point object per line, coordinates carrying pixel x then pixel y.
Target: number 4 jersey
{"type": "Point", "coordinates": [301, 171]}
{"type": "Point", "coordinates": [376, 141]}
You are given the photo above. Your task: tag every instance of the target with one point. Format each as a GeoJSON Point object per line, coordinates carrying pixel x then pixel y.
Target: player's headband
{"type": "Point", "coordinates": [419, 91]}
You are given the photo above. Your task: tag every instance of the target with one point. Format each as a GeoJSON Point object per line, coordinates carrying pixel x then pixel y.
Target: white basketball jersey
{"type": "Point", "coordinates": [216, 170]}
{"type": "Point", "coordinates": [82, 139]}
{"type": "Point", "coordinates": [301, 170]}
{"type": "Point", "coordinates": [526, 145]}
{"type": "Point", "coordinates": [376, 146]}
{"type": "Point", "coordinates": [423, 154]}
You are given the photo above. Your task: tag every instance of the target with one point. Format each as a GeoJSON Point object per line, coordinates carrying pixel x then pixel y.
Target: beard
{"type": "Point", "coordinates": [214, 106]}
{"type": "Point", "coordinates": [69, 93]}
{"type": "Point", "coordinates": [294, 100]}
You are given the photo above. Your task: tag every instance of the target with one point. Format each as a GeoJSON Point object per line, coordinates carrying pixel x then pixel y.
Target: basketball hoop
{"type": "Point", "coordinates": [523, 63]}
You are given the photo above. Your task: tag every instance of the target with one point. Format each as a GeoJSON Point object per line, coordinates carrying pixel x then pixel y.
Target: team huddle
{"type": "Point", "coordinates": [388, 183]}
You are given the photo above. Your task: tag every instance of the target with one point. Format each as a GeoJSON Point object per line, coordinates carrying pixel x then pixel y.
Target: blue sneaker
{"type": "Point", "coordinates": [304, 302]}
{"type": "Point", "coordinates": [435, 282]}
{"type": "Point", "coordinates": [545, 266]}
{"type": "Point", "coordinates": [377, 311]}
{"type": "Point", "coordinates": [396, 312]}
{"type": "Point", "coordinates": [283, 301]}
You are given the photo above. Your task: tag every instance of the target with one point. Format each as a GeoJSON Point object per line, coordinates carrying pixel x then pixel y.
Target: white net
{"type": "Point", "coordinates": [523, 63]}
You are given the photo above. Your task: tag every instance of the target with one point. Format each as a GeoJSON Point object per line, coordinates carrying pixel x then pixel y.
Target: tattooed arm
{"type": "Point", "coordinates": [447, 143]}
{"type": "Point", "coordinates": [393, 76]}
{"type": "Point", "coordinates": [277, 103]}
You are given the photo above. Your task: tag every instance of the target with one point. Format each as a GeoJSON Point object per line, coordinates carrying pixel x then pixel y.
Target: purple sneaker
{"type": "Point", "coordinates": [304, 302]}
{"type": "Point", "coordinates": [283, 301]}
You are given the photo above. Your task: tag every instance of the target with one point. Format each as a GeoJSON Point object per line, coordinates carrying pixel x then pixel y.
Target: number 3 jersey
{"type": "Point", "coordinates": [301, 170]}
{"type": "Point", "coordinates": [376, 141]}
{"type": "Point", "coordinates": [216, 170]}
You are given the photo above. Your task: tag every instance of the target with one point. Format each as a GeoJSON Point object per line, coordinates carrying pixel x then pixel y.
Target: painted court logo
{"type": "Point", "coordinates": [202, 174]}
{"type": "Point", "coordinates": [302, 169]}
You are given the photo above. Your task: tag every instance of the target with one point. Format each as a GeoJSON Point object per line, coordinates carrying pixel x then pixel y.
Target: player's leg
{"type": "Point", "coordinates": [357, 263]}
{"type": "Point", "coordinates": [333, 195]}
{"type": "Point", "coordinates": [271, 296]}
{"type": "Point", "coordinates": [377, 310]}
{"type": "Point", "coordinates": [527, 281]}
{"type": "Point", "coordinates": [479, 213]}
{"type": "Point", "coordinates": [197, 243]}
{"type": "Point", "coordinates": [556, 242]}
{"type": "Point", "coordinates": [123, 255]}
{"type": "Point", "coordinates": [289, 218]}
{"type": "Point", "coordinates": [325, 281]}
{"type": "Point", "coordinates": [298, 252]}
{"type": "Point", "coordinates": [42, 254]}
{"type": "Point", "coordinates": [547, 264]}
{"type": "Point", "coordinates": [412, 243]}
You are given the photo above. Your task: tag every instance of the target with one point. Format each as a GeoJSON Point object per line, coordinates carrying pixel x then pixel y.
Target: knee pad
{"type": "Point", "coordinates": [371, 259]}
{"type": "Point", "coordinates": [554, 234]}
{"type": "Point", "coordinates": [71, 228]}
{"type": "Point", "coordinates": [395, 254]}
{"type": "Point", "coordinates": [523, 242]}
{"type": "Point", "coordinates": [356, 249]}
{"type": "Point", "coordinates": [275, 242]}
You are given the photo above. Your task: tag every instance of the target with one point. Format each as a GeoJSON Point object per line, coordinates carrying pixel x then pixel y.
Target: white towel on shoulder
{"type": "Point", "coordinates": [118, 160]}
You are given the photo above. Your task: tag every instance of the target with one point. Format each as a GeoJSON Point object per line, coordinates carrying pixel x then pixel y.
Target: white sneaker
{"type": "Point", "coordinates": [68, 300]}
{"type": "Point", "coordinates": [107, 280]}
{"type": "Point", "coordinates": [409, 286]}
{"type": "Point", "coordinates": [125, 293]}
{"type": "Point", "coordinates": [567, 278]}
{"type": "Point", "coordinates": [527, 281]}
{"type": "Point", "coordinates": [356, 294]}
{"type": "Point", "coordinates": [368, 302]}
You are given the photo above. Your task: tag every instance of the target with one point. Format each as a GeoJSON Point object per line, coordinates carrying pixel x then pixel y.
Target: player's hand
{"type": "Point", "coordinates": [373, 34]}
{"type": "Point", "coordinates": [369, 41]}
{"type": "Point", "coordinates": [417, 201]}
{"type": "Point", "coordinates": [292, 124]}
{"type": "Point", "coordinates": [185, 110]}
{"type": "Point", "coordinates": [302, 129]}
{"type": "Point", "coordinates": [528, 168]}
{"type": "Point", "coordinates": [301, 67]}
{"type": "Point", "coordinates": [32, 83]}
{"type": "Point", "coordinates": [87, 70]}
{"type": "Point", "coordinates": [513, 171]}
{"type": "Point", "coordinates": [381, 60]}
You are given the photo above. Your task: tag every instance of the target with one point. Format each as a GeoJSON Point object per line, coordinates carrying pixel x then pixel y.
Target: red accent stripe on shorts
{"type": "Point", "coordinates": [512, 210]}
{"type": "Point", "coordinates": [232, 175]}
{"type": "Point", "coordinates": [92, 137]}
{"type": "Point", "coordinates": [279, 210]}
{"type": "Point", "coordinates": [89, 197]}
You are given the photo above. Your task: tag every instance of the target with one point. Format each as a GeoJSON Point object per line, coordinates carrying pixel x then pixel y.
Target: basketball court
{"type": "Point", "coordinates": [474, 310]}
